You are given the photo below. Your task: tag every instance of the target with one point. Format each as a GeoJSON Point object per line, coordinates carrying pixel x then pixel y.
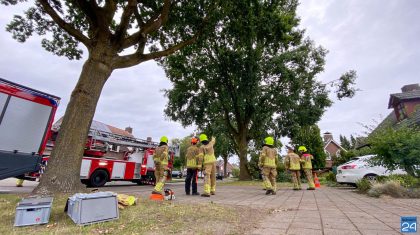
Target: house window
{"type": "Point", "coordinates": [401, 111]}
{"type": "Point", "coordinates": [337, 154]}
{"type": "Point", "coordinates": [328, 155]}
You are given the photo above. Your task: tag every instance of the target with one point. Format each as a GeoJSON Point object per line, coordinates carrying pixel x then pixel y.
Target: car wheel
{"type": "Point", "coordinates": [98, 178]}
{"type": "Point", "coordinates": [370, 177]}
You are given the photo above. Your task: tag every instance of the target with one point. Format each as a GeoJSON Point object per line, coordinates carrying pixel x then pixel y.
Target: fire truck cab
{"type": "Point", "coordinates": [26, 117]}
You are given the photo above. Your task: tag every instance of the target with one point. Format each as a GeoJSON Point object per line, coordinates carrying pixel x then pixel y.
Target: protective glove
{"type": "Point", "coordinates": [213, 138]}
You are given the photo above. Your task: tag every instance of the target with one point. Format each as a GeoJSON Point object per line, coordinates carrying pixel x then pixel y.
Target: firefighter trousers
{"type": "Point", "coordinates": [270, 175]}
{"type": "Point", "coordinates": [296, 179]}
{"type": "Point", "coordinates": [210, 178]}
{"type": "Point", "coordinates": [191, 176]}
{"type": "Point", "coordinates": [161, 173]}
{"type": "Point", "coordinates": [309, 178]}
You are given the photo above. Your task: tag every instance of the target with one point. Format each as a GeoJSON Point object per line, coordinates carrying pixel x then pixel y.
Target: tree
{"type": "Point", "coordinates": [397, 148]}
{"type": "Point", "coordinates": [116, 34]}
{"type": "Point", "coordinates": [310, 137]}
{"type": "Point", "coordinates": [253, 75]}
{"type": "Point", "coordinates": [345, 143]}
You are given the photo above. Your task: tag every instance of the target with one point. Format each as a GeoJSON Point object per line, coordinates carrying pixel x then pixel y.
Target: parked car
{"type": "Point", "coordinates": [177, 174]}
{"type": "Point", "coordinates": [360, 167]}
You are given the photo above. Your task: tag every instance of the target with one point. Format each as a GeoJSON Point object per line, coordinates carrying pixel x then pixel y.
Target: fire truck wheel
{"type": "Point", "coordinates": [98, 178]}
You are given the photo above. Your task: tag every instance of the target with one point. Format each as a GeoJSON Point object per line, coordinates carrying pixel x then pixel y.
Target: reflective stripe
{"type": "Point", "coordinates": [270, 162]}
{"type": "Point", "coordinates": [209, 159]}
{"type": "Point", "coordinates": [192, 163]}
{"type": "Point", "coordinates": [294, 165]}
{"type": "Point", "coordinates": [307, 164]}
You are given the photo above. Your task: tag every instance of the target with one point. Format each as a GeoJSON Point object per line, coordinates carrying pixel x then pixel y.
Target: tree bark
{"type": "Point", "coordinates": [243, 161]}
{"type": "Point", "coordinates": [225, 159]}
{"type": "Point", "coordinates": [63, 170]}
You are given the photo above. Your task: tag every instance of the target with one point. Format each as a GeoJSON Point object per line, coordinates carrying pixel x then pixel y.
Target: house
{"type": "Point", "coordinates": [405, 108]}
{"type": "Point", "coordinates": [332, 148]}
{"type": "Point", "coordinates": [128, 132]}
{"type": "Point", "coordinates": [220, 167]}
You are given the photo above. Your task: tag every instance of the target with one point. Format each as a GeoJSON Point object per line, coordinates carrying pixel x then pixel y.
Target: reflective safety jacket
{"type": "Point", "coordinates": [161, 156]}
{"type": "Point", "coordinates": [192, 157]}
{"type": "Point", "coordinates": [292, 162]}
{"type": "Point", "coordinates": [268, 157]}
{"type": "Point", "coordinates": [206, 153]}
{"type": "Point", "coordinates": [305, 159]}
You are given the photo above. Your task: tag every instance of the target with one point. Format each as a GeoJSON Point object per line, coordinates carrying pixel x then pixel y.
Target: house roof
{"type": "Point", "coordinates": [334, 142]}
{"type": "Point", "coordinates": [100, 127]}
{"type": "Point", "coordinates": [414, 119]}
{"type": "Point", "coordinates": [398, 97]}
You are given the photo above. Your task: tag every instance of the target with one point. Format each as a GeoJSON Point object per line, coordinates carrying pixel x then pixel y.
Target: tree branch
{"type": "Point", "coordinates": [156, 21]}
{"type": "Point", "coordinates": [137, 58]}
{"type": "Point", "coordinates": [125, 19]}
{"type": "Point", "coordinates": [64, 25]}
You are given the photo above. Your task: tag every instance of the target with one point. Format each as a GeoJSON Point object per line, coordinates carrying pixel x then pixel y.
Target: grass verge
{"type": "Point", "coordinates": [147, 217]}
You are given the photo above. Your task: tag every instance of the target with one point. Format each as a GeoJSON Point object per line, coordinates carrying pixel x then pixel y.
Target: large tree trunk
{"type": "Point", "coordinates": [225, 159]}
{"type": "Point", "coordinates": [243, 161]}
{"type": "Point", "coordinates": [63, 171]}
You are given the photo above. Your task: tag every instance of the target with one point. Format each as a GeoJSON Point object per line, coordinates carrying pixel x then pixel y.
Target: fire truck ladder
{"type": "Point", "coordinates": [112, 138]}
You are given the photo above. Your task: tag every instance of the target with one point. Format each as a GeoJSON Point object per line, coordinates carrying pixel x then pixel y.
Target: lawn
{"type": "Point", "coordinates": [147, 217]}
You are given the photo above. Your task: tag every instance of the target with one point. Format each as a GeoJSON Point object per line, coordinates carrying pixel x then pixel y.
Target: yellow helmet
{"type": "Point", "coordinates": [203, 137]}
{"type": "Point", "coordinates": [269, 141]}
{"type": "Point", "coordinates": [302, 149]}
{"type": "Point", "coordinates": [164, 139]}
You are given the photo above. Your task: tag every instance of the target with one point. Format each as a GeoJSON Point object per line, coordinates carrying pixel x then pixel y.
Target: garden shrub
{"type": "Point", "coordinates": [363, 185]}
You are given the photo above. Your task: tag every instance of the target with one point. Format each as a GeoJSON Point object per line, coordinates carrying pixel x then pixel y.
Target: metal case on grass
{"type": "Point", "coordinates": [31, 211]}
{"type": "Point", "coordinates": [93, 207]}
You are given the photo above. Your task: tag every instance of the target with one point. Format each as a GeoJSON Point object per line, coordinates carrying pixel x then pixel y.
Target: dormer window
{"type": "Point", "coordinates": [401, 111]}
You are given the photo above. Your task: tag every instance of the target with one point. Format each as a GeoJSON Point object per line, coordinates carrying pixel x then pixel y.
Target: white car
{"type": "Point", "coordinates": [358, 168]}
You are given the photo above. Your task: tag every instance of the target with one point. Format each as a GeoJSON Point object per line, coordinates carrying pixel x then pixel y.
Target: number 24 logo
{"type": "Point", "coordinates": [407, 227]}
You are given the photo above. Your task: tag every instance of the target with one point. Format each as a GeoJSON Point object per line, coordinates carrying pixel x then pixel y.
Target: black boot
{"type": "Point", "coordinates": [269, 191]}
{"type": "Point", "coordinates": [205, 195]}
{"type": "Point", "coordinates": [196, 194]}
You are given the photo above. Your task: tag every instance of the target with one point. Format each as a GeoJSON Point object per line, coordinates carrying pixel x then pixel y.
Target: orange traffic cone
{"type": "Point", "coordinates": [156, 197]}
{"type": "Point", "coordinates": [316, 180]}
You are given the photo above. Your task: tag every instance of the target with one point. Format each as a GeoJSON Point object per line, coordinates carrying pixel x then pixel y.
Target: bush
{"type": "Point", "coordinates": [363, 185]}
{"type": "Point", "coordinates": [283, 176]}
{"type": "Point", "coordinates": [235, 172]}
{"type": "Point", "coordinates": [391, 188]}
{"type": "Point", "coordinates": [330, 176]}
{"type": "Point", "coordinates": [406, 181]}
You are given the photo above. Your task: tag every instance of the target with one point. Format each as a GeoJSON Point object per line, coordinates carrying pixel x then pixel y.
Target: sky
{"type": "Point", "coordinates": [379, 39]}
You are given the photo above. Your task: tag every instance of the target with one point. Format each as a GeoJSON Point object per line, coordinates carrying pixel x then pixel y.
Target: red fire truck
{"type": "Point", "coordinates": [26, 117]}
{"type": "Point", "coordinates": [26, 130]}
{"type": "Point", "coordinates": [115, 157]}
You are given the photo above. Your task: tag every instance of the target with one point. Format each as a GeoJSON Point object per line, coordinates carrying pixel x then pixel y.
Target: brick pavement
{"type": "Point", "coordinates": [324, 211]}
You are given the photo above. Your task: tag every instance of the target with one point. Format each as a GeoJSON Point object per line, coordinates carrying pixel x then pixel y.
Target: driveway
{"type": "Point", "coordinates": [324, 211]}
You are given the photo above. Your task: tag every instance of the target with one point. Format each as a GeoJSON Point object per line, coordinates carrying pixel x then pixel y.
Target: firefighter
{"type": "Point", "coordinates": [207, 158]}
{"type": "Point", "coordinates": [192, 167]}
{"type": "Point", "coordinates": [305, 159]}
{"type": "Point", "coordinates": [292, 163]}
{"type": "Point", "coordinates": [161, 158]}
{"type": "Point", "coordinates": [268, 161]}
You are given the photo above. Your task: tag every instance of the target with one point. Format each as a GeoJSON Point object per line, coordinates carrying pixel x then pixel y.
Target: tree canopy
{"type": "Point", "coordinates": [310, 137]}
{"type": "Point", "coordinates": [397, 148]}
{"type": "Point", "coordinates": [254, 75]}
{"type": "Point", "coordinates": [117, 34]}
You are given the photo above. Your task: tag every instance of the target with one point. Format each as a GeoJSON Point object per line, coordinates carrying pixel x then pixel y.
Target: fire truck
{"type": "Point", "coordinates": [27, 137]}
{"type": "Point", "coordinates": [115, 157]}
{"type": "Point", "coordinates": [26, 117]}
